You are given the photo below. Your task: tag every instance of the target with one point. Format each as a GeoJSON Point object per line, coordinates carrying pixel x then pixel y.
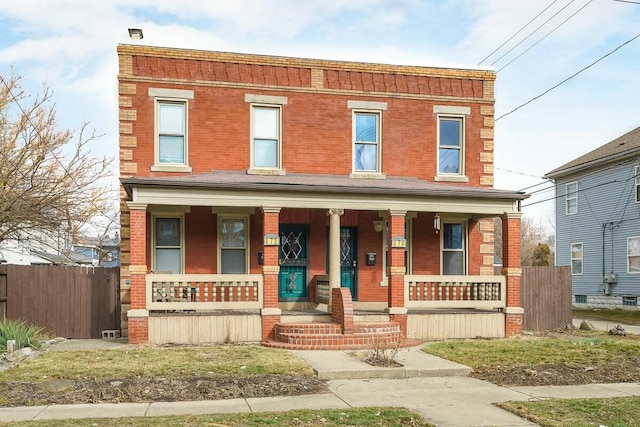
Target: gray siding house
{"type": "Point", "coordinates": [598, 222]}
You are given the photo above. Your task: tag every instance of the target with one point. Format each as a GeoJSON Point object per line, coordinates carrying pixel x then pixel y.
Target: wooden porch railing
{"type": "Point", "coordinates": [486, 292]}
{"type": "Point", "coordinates": [204, 291]}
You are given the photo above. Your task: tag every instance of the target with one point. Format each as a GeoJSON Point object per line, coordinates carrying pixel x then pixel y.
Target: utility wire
{"type": "Point", "coordinates": [518, 32]}
{"type": "Point", "coordinates": [545, 36]}
{"type": "Point", "coordinates": [570, 77]}
{"type": "Point", "coordinates": [533, 32]}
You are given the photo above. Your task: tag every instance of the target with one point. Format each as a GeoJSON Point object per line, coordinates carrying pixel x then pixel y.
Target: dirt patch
{"type": "Point", "coordinates": [156, 389]}
{"type": "Point", "coordinates": [562, 374]}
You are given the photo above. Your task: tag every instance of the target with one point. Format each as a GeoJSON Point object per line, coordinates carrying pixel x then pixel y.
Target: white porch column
{"type": "Point", "coordinates": [334, 249]}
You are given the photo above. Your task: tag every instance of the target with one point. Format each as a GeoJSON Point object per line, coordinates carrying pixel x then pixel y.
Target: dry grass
{"type": "Point", "coordinates": [623, 316]}
{"type": "Point", "coordinates": [382, 417]}
{"type": "Point", "coordinates": [164, 361]}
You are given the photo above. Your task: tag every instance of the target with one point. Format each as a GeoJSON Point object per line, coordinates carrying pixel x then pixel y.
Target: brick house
{"type": "Point", "coordinates": [266, 197]}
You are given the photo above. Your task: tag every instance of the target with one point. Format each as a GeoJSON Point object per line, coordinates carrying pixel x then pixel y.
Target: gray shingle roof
{"type": "Point", "coordinates": [624, 146]}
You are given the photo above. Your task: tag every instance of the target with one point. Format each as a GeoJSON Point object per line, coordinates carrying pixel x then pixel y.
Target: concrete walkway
{"type": "Point", "coordinates": [437, 389]}
{"type": "Point", "coordinates": [605, 325]}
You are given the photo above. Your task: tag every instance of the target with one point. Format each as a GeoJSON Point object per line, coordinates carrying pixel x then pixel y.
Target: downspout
{"type": "Point", "coordinates": [604, 226]}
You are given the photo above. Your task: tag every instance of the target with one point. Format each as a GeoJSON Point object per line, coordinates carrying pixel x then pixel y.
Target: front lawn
{"type": "Point", "coordinates": [630, 317]}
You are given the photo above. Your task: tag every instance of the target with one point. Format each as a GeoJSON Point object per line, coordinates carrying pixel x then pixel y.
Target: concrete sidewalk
{"type": "Point", "coordinates": [605, 325]}
{"type": "Point", "coordinates": [437, 389]}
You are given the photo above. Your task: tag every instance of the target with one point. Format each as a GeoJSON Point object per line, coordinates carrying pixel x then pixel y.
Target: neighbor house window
{"type": "Point", "coordinates": [266, 137]}
{"type": "Point", "coordinates": [633, 255]}
{"type": "Point", "coordinates": [453, 248]}
{"type": "Point", "coordinates": [167, 245]}
{"type": "Point", "coordinates": [233, 245]}
{"type": "Point", "coordinates": [366, 141]}
{"type": "Point", "coordinates": [637, 184]}
{"type": "Point", "coordinates": [576, 258]}
{"type": "Point", "coordinates": [450, 145]}
{"type": "Point", "coordinates": [571, 198]}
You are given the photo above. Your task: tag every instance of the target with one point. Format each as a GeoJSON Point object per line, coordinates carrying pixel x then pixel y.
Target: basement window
{"type": "Point", "coordinates": [581, 299]}
{"type": "Point", "coordinates": [630, 301]}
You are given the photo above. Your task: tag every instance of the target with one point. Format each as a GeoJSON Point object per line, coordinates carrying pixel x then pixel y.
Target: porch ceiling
{"type": "Point", "coordinates": [319, 191]}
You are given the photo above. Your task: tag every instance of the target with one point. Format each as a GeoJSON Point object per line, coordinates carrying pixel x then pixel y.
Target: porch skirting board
{"type": "Point", "coordinates": [455, 325]}
{"type": "Point", "coordinates": [190, 329]}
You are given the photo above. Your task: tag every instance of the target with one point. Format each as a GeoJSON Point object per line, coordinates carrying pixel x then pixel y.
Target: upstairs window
{"type": "Point", "coordinates": [450, 145]}
{"type": "Point", "coordinates": [366, 142]}
{"type": "Point", "coordinates": [453, 248]}
{"type": "Point", "coordinates": [266, 137]}
{"type": "Point", "coordinates": [576, 258]}
{"type": "Point", "coordinates": [171, 129]}
{"type": "Point", "coordinates": [571, 198]}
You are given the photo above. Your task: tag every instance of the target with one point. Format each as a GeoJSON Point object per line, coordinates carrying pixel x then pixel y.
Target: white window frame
{"type": "Point", "coordinates": [170, 96]}
{"type": "Point", "coordinates": [278, 109]}
{"type": "Point", "coordinates": [630, 255]}
{"type": "Point", "coordinates": [154, 247]}
{"type": "Point", "coordinates": [265, 101]}
{"type": "Point", "coordinates": [581, 259]}
{"type": "Point", "coordinates": [465, 244]}
{"type": "Point", "coordinates": [247, 234]}
{"type": "Point", "coordinates": [461, 149]}
{"type": "Point", "coordinates": [637, 186]}
{"type": "Point", "coordinates": [377, 143]}
{"type": "Point", "coordinates": [571, 195]}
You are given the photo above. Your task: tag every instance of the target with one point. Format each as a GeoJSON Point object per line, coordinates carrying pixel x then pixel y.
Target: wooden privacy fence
{"type": "Point", "coordinates": [545, 295]}
{"type": "Point", "coordinates": [70, 302]}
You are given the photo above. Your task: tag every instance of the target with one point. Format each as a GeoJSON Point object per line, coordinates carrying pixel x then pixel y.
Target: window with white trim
{"type": "Point", "coordinates": [233, 246]}
{"type": "Point", "coordinates": [637, 184]}
{"type": "Point", "coordinates": [633, 255]}
{"type": "Point", "coordinates": [454, 242]}
{"type": "Point", "coordinates": [167, 244]}
{"type": "Point", "coordinates": [571, 198]}
{"type": "Point", "coordinates": [366, 141]}
{"type": "Point", "coordinates": [266, 138]}
{"type": "Point", "coordinates": [577, 255]}
{"type": "Point", "coordinates": [171, 129]}
{"type": "Point", "coordinates": [451, 145]}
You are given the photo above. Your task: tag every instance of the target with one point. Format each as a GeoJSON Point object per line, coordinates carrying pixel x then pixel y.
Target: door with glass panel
{"type": "Point", "coordinates": [348, 260]}
{"type": "Point", "coordinates": [294, 263]}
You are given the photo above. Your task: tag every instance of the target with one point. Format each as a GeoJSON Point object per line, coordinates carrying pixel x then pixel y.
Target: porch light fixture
{"type": "Point", "coordinates": [135, 34]}
{"type": "Point", "coordinates": [436, 223]}
{"type": "Point", "coordinates": [378, 225]}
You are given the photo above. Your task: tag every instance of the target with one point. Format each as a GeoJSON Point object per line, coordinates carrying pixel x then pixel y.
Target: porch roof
{"type": "Point", "coordinates": [398, 190]}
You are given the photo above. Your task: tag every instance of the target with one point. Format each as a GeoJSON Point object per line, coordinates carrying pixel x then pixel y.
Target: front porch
{"type": "Point", "coordinates": [224, 258]}
{"type": "Point", "coordinates": [194, 308]}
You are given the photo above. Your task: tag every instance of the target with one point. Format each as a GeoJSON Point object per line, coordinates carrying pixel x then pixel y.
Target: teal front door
{"type": "Point", "coordinates": [348, 260]}
{"type": "Point", "coordinates": [293, 263]}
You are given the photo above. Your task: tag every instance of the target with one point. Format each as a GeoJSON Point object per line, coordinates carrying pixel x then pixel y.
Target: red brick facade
{"type": "Point", "coordinates": [317, 100]}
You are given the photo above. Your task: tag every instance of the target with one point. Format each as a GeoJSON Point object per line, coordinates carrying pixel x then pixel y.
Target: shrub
{"type": "Point", "coordinates": [26, 334]}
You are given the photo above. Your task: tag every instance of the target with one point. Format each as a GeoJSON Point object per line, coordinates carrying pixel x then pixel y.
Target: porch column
{"type": "Point", "coordinates": [270, 271]}
{"type": "Point", "coordinates": [334, 250]}
{"type": "Point", "coordinates": [397, 243]}
{"type": "Point", "coordinates": [512, 270]}
{"type": "Point", "coordinates": [138, 315]}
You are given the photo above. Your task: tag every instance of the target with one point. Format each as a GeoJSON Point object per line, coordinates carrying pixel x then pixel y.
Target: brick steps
{"type": "Point", "coordinates": [329, 336]}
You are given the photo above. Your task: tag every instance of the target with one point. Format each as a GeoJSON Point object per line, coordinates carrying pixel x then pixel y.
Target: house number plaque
{"type": "Point", "coordinates": [271, 240]}
{"type": "Point", "coordinates": [398, 242]}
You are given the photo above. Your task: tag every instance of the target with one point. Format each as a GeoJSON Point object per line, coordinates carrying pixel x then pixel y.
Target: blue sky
{"type": "Point", "coordinates": [71, 46]}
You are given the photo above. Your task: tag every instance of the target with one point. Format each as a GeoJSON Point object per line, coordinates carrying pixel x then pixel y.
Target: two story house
{"type": "Point", "coordinates": [309, 203]}
{"type": "Point", "coordinates": [598, 223]}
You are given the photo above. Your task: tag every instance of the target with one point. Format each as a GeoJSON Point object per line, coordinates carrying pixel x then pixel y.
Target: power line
{"type": "Point", "coordinates": [517, 173]}
{"type": "Point", "coordinates": [627, 1]}
{"type": "Point", "coordinates": [533, 32]}
{"type": "Point", "coordinates": [518, 32]}
{"type": "Point", "coordinates": [570, 77]}
{"type": "Point", "coordinates": [545, 36]}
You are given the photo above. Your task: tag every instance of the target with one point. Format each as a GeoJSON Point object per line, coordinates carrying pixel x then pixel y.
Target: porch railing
{"type": "Point", "coordinates": [204, 291]}
{"type": "Point", "coordinates": [455, 291]}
